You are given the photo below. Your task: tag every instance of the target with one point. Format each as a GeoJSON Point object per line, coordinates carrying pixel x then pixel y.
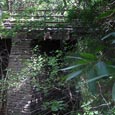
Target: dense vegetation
{"type": "Point", "coordinates": [78, 80]}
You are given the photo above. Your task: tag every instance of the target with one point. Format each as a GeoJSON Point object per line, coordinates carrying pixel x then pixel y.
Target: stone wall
{"type": "Point", "coordinates": [17, 98]}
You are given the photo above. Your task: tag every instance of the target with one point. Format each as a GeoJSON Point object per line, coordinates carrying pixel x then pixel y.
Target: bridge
{"type": "Point", "coordinates": [41, 20]}
{"type": "Point", "coordinates": [30, 28]}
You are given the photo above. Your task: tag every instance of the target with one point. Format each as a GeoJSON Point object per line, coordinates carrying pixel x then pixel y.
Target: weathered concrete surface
{"type": "Point", "coordinates": [19, 96]}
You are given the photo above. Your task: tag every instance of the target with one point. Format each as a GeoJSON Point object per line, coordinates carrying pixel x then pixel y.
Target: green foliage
{"type": "Point", "coordinates": [82, 12]}
{"type": "Point", "coordinates": [72, 14]}
{"type": "Point", "coordinates": [54, 105]}
{"type": "Point", "coordinates": [43, 71]}
{"type": "Point", "coordinates": [88, 66]}
{"type": "Point", "coordinates": [106, 14]}
{"type": "Point", "coordinates": [87, 109]}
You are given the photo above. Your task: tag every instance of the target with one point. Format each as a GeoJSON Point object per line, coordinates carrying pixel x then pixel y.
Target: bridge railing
{"type": "Point", "coordinates": [45, 18]}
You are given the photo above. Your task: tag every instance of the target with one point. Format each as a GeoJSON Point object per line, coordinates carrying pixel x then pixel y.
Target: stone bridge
{"type": "Point", "coordinates": [19, 49]}
{"type": "Point", "coordinates": [20, 96]}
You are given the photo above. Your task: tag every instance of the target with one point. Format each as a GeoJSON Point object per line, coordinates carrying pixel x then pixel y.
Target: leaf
{"type": "Point", "coordinates": [101, 68]}
{"type": "Point", "coordinates": [111, 69]}
{"type": "Point", "coordinates": [109, 35]}
{"type": "Point", "coordinates": [96, 78]}
{"type": "Point", "coordinates": [74, 57]}
{"type": "Point", "coordinates": [2, 3]}
{"type": "Point", "coordinates": [65, 2]}
{"type": "Point", "coordinates": [113, 92]}
{"type": "Point", "coordinates": [113, 42]}
{"type": "Point", "coordinates": [74, 75]}
{"type": "Point", "coordinates": [54, 108]}
{"type": "Point", "coordinates": [84, 61]}
{"type": "Point", "coordinates": [71, 67]}
{"type": "Point", "coordinates": [106, 14]}
{"type": "Point", "coordinates": [88, 56]}
{"type": "Point", "coordinates": [92, 85]}
{"type": "Point", "coordinates": [112, 66]}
